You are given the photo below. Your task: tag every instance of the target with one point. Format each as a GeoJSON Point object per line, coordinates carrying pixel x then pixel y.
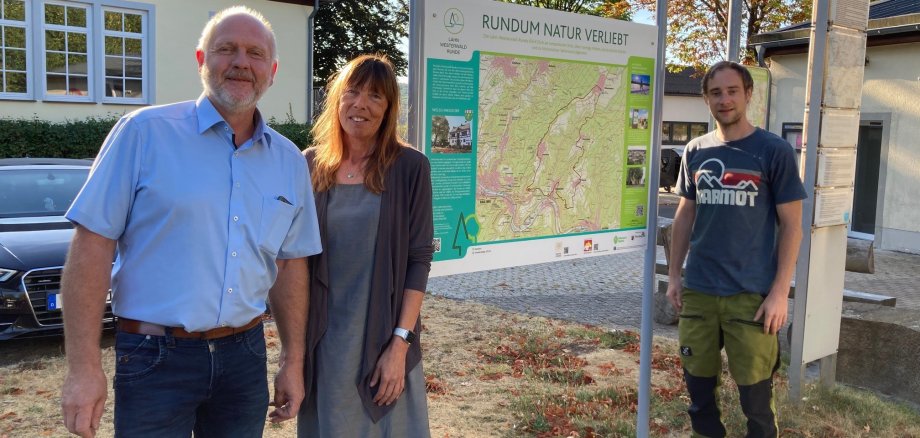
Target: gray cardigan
{"type": "Point", "coordinates": [402, 260]}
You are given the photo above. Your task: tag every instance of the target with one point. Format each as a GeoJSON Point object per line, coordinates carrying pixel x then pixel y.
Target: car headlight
{"type": "Point", "coordinates": [5, 274]}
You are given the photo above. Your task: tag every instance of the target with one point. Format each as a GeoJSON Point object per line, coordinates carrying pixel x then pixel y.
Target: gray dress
{"type": "Point", "coordinates": [334, 408]}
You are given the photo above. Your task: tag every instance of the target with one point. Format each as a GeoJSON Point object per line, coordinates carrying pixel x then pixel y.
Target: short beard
{"type": "Point", "coordinates": [223, 99]}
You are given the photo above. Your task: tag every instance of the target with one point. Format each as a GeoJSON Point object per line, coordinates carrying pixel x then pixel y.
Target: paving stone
{"type": "Point", "coordinates": [607, 290]}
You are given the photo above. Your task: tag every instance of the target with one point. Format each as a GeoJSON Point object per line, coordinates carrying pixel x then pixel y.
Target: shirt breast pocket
{"type": "Point", "coordinates": [274, 225]}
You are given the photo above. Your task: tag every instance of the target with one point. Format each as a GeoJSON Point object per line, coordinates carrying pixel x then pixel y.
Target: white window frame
{"type": "Point", "coordinates": [145, 54]}
{"type": "Point", "coordinates": [90, 71]}
{"type": "Point", "coordinates": [36, 72]}
{"type": "Point", "coordinates": [30, 89]}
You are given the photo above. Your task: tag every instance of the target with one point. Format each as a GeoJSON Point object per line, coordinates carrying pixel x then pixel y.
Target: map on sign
{"type": "Point", "coordinates": [537, 125]}
{"type": "Point", "coordinates": [548, 135]}
{"type": "Point", "coordinates": [758, 110]}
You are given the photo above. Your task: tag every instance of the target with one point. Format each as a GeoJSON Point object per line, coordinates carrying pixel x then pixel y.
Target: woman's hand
{"type": "Point", "coordinates": [390, 373]}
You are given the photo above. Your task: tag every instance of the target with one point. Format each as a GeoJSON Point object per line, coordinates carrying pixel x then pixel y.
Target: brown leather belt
{"type": "Point", "coordinates": [147, 328]}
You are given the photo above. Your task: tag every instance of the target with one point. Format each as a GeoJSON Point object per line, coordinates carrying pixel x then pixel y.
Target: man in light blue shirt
{"type": "Point", "coordinates": [209, 211]}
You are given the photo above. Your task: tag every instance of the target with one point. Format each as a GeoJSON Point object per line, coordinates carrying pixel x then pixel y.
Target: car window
{"type": "Point", "coordinates": [39, 192]}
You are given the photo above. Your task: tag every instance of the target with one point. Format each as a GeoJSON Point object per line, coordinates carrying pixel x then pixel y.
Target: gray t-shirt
{"type": "Point", "coordinates": [736, 186]}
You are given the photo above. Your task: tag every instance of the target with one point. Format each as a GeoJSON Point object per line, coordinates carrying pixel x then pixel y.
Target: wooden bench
{"type": "Point", "coordinates": [851, 296]}
{"type": "Point", "coordinates": [863, 262]}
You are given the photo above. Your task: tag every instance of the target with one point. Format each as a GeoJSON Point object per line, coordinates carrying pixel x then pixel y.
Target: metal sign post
{"type": "Point", "coordinates": [648, 274]}
{"type": "Point", "coordinates": [834, 83]}
{"type": "Point", "coordinates": [733, 42]}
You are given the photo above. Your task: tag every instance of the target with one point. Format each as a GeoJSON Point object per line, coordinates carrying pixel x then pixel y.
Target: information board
{"type": "Point", "coordinates": [537, 124]}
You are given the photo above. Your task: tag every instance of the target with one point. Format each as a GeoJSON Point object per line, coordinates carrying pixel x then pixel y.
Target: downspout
{"type": "Point", "coordinates": [310, 98]}
{"type": "Point", "coordinates": [761, 50]}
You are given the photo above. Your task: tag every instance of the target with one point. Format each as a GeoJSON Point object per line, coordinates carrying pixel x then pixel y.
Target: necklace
{"type": "Point", "coordinates": [351, 174]}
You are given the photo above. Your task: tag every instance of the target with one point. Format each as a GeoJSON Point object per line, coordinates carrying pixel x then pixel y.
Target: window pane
{"type": "Point", "coordinates": [680, 132]}
{"type": "Point", "coordinates": [133, 23]}
{"type": "Point", "coordinates": [56, 84]}
{"type": "Point", "coordinates": [54, 40]}
{"type": "Point", "coordinates": [133, 47]}
{"type": "Point", "coordinates": [79, 86]}
{"type": "Point", "coordinates": [134, 88]}
{"type": "Point", "coordinates": [76, 17]}
{"type": "Point", "coordinates": [113, 46]}
{"type": "Point", "coordinates": [77, 64]}
{"type": "Point", "coordinates": [665, 132]}
{"type": "Point", "coordinates": [14, 10]}
{"type": "Point", "coordinates": [113, 66]}
{"type": "Point", "coordinates": [14, 60]}
{"type": "Point", "coordinates": [113, 21]}
{"type": "Point", "coordinates": [54, 62]}
{"type": "Point", "coordinates": [133, 68]}
{"type": "Point", "coordinates": [54, 14]}
{"type": "Point", "coordinates": [14, 37]}
{"type": "Point", "coordinates": [15, 82]}
{"type": "Point", "coordinates": [698, 129]}
{"type": "Point", "coordinates": [76, 42]}
{"type": "Point", "coordinates": [114, 87]}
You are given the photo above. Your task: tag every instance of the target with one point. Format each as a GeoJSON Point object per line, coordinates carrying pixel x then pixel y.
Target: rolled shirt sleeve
{"type": "Point", "coordinates": [104, 202]}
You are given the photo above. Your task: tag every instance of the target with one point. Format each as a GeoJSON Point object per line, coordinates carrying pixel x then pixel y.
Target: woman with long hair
{"type": "Point", "coordinates": [363, 371]}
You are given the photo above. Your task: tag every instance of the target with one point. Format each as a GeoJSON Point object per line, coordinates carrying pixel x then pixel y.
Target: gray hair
{"type": "Point", "coordinates": [219, 17]}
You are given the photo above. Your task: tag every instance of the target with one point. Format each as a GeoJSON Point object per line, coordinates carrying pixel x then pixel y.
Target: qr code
{"type": "Point", "coordinates": [436, 244]}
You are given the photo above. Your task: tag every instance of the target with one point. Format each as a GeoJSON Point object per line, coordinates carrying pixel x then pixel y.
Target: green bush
{"type": "Point", "coordinates": [297, 132]}
{"type": "Point", "coordinates": [41, 138]}
{"type": "Point", "coordinates": [82, 138]}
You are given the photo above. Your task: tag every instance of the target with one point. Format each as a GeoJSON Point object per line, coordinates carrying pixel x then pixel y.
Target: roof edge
{"type": "Point", "coordinates": [879, 26]}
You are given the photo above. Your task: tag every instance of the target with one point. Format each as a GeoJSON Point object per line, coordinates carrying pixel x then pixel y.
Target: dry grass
{"type": "Point", "coordinates": [493, 373]}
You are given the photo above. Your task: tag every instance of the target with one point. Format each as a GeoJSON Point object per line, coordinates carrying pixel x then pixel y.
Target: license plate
{"type": "Point", "coordinates": [55, 302]}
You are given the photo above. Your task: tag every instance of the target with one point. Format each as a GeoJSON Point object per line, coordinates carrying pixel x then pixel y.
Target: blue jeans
{"type": "Point", "coordinates": [169, 387]}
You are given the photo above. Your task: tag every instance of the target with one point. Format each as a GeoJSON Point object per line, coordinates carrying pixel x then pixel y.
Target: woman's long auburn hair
{"type": "Point", "coordinates": [329, 137]}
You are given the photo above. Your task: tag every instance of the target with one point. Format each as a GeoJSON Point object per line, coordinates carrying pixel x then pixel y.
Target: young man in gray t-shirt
{"type": "Point", "coordinates": [740, 218]}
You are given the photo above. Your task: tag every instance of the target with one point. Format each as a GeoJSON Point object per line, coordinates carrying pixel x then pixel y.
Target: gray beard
{"type": "Point", "coordinates": [225, 100]}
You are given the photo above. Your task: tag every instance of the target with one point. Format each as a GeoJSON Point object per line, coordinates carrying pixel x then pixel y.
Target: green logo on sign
{"type": "Point", "coordinates": [453, 20]}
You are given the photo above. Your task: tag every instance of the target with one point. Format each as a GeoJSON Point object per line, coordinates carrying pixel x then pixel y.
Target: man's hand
{"type": "Point", "coordinates": [675, 295]}
{"type": "Point", "coordinates": [390, 372]}
{"type": "Point", "coordinates": [289, 392]}
{"type": "Point", "coordinates": [84, 285]}
{"type": "Point", "coordinates": [774, 310]}
{"type": "Point", "coordinates": [83, 400]}
{"type": "Point", "coordinates": [290, 305]}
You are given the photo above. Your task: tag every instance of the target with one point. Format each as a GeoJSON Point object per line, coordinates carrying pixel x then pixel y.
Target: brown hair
{"type": "Point", "coordinates": [328, 136]}
{"type": "Point", "coordinates": [746, 78]}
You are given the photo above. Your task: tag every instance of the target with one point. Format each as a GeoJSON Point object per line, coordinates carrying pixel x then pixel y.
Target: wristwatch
{"type": "Point", "coordinates": [406, 335]}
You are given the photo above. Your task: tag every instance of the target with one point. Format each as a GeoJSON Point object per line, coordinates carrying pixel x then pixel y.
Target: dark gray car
{"type": "Point", "coordinates": [34, 237]}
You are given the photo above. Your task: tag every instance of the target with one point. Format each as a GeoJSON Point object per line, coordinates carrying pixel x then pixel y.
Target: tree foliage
{"type": "Point", "coordinates": [440, 129]}
{"type": "Point", "coordinates": [345, 29]}
{"type": "Point", "coordinates": [698, 29]}
{"type": "Point", "coordinates": [618, 9]}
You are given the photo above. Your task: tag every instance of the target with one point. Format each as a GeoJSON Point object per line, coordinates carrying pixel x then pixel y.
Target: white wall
{"type": "Point", "coordinates": [891, 87]}
{"type": "Point", "coordinates": [178, 26]}
{"type": "Point", "coordinates": [684, 109]}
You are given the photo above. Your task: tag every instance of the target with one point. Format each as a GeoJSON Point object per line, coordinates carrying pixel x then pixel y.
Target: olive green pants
{"type": "Point", "coordinates": [707, 324]}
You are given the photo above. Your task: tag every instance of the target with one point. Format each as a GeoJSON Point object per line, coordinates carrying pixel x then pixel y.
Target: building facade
{"type": "Point", "coordinates": [886, 207]}
{"type": "Point", "coordinates": [67, 60]}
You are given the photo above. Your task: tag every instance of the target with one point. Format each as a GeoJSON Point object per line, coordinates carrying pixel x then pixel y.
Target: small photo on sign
{"type": "Point", "coordinates": [635, 176]}
{"type": "Point", "coordinates": [640, 84]}
{"type": "Point", "coordinates": [451, 134]}
{"type": "Point", "coordinates": [638, 118]}
{"type": "Point", "coordinates": [635, 155]}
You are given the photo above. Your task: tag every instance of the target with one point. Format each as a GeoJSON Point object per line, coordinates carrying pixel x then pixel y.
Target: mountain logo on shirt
{"type": "Point", "coordinates": [716, 185]}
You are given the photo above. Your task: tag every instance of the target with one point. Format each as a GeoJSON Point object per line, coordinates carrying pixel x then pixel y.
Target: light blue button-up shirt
{"type": "Point", "coordinates": [198, 222]}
